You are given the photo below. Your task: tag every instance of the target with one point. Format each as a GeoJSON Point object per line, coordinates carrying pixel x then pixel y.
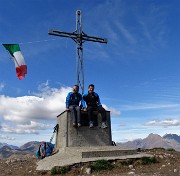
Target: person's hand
{"type": "Point", "coordinates": [67, 109]}
{"type": "Point", "coordinates": [84, 109]}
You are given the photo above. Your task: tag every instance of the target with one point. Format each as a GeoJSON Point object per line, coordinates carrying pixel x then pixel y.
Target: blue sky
{"type": "Point", "coordinates": [136, 74]}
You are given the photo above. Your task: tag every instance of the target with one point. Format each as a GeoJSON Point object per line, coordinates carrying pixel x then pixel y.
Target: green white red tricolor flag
{"type": "Point", "coordinates": [21, 67]}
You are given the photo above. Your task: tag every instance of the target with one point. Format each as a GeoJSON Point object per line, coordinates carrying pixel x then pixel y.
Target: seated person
{"type": "Point", "coordinates": [92, 101]}
{"type": "Point", "coordinates": [73, 100]}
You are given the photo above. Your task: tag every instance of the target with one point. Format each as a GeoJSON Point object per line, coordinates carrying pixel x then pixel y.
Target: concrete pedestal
{"type": "Point", "coordinates": [84, 144]}
{"type": "Point", "coordinates": [69, 136]}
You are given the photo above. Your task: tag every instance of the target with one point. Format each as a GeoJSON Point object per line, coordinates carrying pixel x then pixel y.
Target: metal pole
{"type": "Point", "coordinates": [77, 46]}
{"type": "Point", "coordinates": [79, 51]}
{"type": "Point", "coordinates": [82, 59]}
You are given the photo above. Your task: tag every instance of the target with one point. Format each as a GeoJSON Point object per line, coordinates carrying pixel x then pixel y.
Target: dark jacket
{"type": "Point", "coordinates": [91, 100]}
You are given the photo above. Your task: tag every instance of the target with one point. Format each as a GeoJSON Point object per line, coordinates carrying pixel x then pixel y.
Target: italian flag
{"type": "Point", "coordinates": [21, 67]}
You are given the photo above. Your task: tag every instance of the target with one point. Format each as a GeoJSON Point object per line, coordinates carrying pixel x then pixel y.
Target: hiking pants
{"type": "Point", "coordinates": [100, 110]}
{"type": "Point", "coordinates": [75, 113]}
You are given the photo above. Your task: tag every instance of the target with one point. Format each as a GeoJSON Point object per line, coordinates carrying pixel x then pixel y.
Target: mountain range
{"type": "Point", "coordinates": [168, 141]}
{"type": "Point", "coordinates": [7, 151]}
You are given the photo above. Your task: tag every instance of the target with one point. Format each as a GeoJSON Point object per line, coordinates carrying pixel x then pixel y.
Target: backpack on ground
{"type": "Point", "coordinates": [45, 149]}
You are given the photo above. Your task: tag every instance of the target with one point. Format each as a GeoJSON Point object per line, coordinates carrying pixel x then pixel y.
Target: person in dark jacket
{"type": "Point", "coordinates": [73, 100]}
{"type": "Point", "coordinates": [91, 102]}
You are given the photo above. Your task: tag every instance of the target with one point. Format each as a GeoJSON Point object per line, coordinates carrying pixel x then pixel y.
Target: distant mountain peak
{"type": "Point", "coordinates": [10, 146]}
{"type": "Point", "coordinates": [172, 137]}
{"type": "Point", "coordinates": [6, 147]}
{"type": "Point", "coordinates": [155, 141]}
{"type": "Point", "coordinates": [28, 148]}
{"type": "Point", "coordinates": [152, 135]}
{"type": "Point", "coordinates": [3, 144]}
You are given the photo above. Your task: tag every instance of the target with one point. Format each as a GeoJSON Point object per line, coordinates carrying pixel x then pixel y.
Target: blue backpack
{"type": "Point", "coordinates": [45, 149]}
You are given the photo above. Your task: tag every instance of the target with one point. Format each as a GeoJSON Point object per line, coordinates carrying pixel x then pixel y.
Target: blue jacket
{"type": "Point", "coordinates": [49, 148]}
{"type": "Point", "coordinates": [73, 99]}
{"type": "Point", "coordinates": [88, 100]}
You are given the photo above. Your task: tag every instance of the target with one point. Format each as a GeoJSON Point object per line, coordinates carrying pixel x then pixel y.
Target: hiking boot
{"type": "Point", "coordinates": [79, 125]}
{"type": "Point", "coordinates": [91, 124]}
{"type": "Point", "coordinates": [103, 125]}
{"type": "Point", "coordinates": [74, 124]}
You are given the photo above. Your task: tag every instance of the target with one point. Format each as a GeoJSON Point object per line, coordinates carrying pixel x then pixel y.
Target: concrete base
{"type": "Point", "coordinates": [69, 136]}
{"type": "Point", "coordinates": [72, 155]}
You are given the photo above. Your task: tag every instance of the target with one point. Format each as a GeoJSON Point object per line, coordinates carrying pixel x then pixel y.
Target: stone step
{"type": "Point", "coordinates": [112, 153]}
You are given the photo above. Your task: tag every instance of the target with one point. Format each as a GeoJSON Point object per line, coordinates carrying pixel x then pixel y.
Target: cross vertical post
{"type": "Point", "coordinates": [79, 37]}
{"type": "Point", "coordinates": [79, 51]}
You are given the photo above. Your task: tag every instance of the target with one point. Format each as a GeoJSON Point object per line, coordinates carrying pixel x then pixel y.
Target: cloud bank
{"type": "Point", "coordinates": [30, 114]}
{"type": "Point", "coordinates": [164, 123]}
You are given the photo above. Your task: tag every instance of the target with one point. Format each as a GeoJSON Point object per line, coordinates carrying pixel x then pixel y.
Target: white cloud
{"type": "Point", "coordinates": [45, 105]}
{"type": "Point", "coordinates": [113, 111]}
{"type": "Point", "coordinates": [165, 123]}
{"type": "Point", "coordinates": [146, 106]}
{"type": "Point", "coordinates": [34, 126]}
{"type": "Point", "coordinates": [6, 137]}
{"type": "Point", "coordinates": [11, 129]}
{"type": "Point", "coordinates": [129, 37]}
{"type": "Point", "coordinates": [25, 113]}
{"type": "Point", "coordinates": [2, 85]}
{"type": "Point", "coordinates": [31, 128]}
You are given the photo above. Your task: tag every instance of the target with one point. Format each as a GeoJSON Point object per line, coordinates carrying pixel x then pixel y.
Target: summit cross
{"type": "Point", "coordinates": [79, 37]}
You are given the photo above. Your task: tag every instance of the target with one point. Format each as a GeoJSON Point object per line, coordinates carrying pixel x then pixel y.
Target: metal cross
{"type": "Point", "coordinates": [79, 37]}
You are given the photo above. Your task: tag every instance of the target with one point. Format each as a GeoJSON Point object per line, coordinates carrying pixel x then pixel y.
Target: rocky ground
{"type": "Point", "coordinates": [164, 163]}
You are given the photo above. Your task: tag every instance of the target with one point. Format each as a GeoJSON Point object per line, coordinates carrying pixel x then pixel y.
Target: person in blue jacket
{"type": "Point", "coordinates": [45, 149]}
{"type": "Point", "coordinates": [91, 102]}
{"type": "Point", "coordinates": [73, 101]}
